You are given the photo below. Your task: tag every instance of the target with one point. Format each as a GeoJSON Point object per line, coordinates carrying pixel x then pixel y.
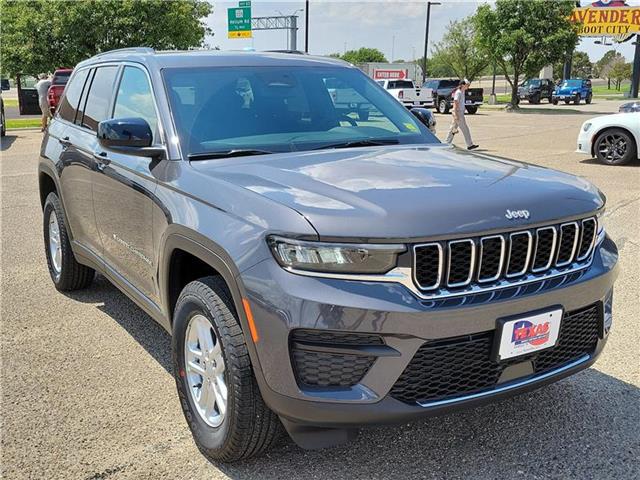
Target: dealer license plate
{"type": "Point", "coordinates": [527, 334]}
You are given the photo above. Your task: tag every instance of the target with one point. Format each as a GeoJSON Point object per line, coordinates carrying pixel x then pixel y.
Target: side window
{"type": "Point", "coordinates": [69, 103]}
{"type": "Point", "coordinates": [135, 98]}
{"type": "Point", "coordinates": [97, 102]}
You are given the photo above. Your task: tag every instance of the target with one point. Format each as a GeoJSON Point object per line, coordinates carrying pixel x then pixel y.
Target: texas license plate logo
{"type": "Point", "coordinates": [528, 334]}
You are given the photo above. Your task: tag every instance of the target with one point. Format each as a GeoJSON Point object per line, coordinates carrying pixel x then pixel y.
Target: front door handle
{"type": "Point", "coordinates": [101, 160]}
{"type": "Point", "coordinates": [64, 142]}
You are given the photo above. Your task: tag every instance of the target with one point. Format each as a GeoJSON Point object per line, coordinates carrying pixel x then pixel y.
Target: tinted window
{"type": "Point", "coordinates": [135, 98]}
{"type": "Point", "coordinates": [449, 83]}
{"type": "Point", "coordinates": [283, 109]}
{"type": "Point", "coordinates": [97, 102]}
{"type": "Point", "coordinates": [61, 78]}
{"type": "Point", "coordinates": [69, 102]}
{"type": "Point", "coordinates": [400, 84]}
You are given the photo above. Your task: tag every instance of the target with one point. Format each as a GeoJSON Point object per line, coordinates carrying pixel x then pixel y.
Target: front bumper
{"type": "Point", "coordinates": [584, 144]}
{"type": "Point", "coordinates": [283, 302]}
{"type": "Point", "coordinates": [563, 96]}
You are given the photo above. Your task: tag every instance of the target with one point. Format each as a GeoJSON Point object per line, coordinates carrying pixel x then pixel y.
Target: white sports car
{"type": "Point", "coordinates": [613, 139]}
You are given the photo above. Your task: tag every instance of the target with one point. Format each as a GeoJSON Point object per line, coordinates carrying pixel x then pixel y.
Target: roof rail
{"type": "Point", "coordinates": [128, 49]}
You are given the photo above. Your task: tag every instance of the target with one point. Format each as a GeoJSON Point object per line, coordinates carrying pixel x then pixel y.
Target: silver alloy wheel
{"type": "Point", "coordinates": [612, 147]}
{"type": "Point", "coordinates": [55, 247]}
{"type": "Point", "coordinates": [204, 365]}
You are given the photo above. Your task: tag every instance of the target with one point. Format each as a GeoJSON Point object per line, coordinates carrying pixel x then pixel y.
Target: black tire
{"type": "Point", "coordinates": [577, 100]}
{"type": "Point", "coordinates": [249, 427]}
{"type": "Point", "coordinates": [72, 275]}
{"type": "Point", "coordinates": [363, 115]}
{"type": "Point", "coordinates": [472, 109]}
{"type": "Point", "coordinates": [551, 100]}
{"type": "Point", "coordinates": [534, 99]}
{"type": "Point", "coordinates": [3, 129]}
{"type": "Point", "coordinates": [614, 136]}
{"type": "Point", "coordinates": [567, 101]}
{"type": "Point", "coordinates": [554, 101]}
{"type": "Point", "coordinates": [442, 106]}
{"type": "Point", "coordinates": [588, 99]}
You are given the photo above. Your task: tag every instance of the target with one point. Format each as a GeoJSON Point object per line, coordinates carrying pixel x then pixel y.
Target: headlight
{"type": "Point", "coordinates": [586, 127]}
{"type": "Point", "coordinates": [601, 226]}
{"type": "Point", "coordinates": [574, 92]}
{"type": "Point", "coordinates": [334, 257]}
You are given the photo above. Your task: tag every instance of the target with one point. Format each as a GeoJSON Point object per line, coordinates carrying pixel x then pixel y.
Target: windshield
{"type": "Point", "coordinates": [572, 83]}
{"type": "Point", "coordinates": [534, 82]}
{"type": "Point", "coordinates": [278, 109]}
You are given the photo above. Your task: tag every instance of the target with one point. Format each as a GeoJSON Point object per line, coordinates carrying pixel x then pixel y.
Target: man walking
{"type": "Point", "coordinates": [458, 120]}
{"type": "Point", "coordinates": [42, 88]}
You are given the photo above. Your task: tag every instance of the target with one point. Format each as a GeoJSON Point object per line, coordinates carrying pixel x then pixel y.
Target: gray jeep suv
{"type": "Point", "coordinates": [316, 270]}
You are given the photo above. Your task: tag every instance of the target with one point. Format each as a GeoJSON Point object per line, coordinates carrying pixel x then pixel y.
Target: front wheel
{"type": "Point", "coordinates": [66, 273]}
{"type": "Point", "coordinates": [535, 99]}
{"type": "Point", "coordinates": [443, 107]}
{"type": "Point", "coordinates": [567, 101]}
{"type": "Point", "coordinates": [3, 130]}
{"type": "Point", "coordinates": [588, 99]}
{"type": "Point", "coordinates": [615, 147]}
{"type": "Point", "coordinates": [216, 385]}
{"type": "Point", "coordinates": [577, 100]}
{"type": "Point", "coordinates": [554, 101]}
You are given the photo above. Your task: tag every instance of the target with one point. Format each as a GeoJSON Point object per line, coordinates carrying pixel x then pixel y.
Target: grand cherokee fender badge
{"type": "Point", "coordinates": [513, 214]}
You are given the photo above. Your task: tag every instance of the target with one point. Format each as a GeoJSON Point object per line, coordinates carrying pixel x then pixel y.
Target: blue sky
{"type": "Point", "coordinates": [390, 25]}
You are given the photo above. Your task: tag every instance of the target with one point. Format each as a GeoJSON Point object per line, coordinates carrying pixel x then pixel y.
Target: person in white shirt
{"type": "Point", "coordinates": [458, 121]}
{"type": "Point", "coordinates": [42, 88]}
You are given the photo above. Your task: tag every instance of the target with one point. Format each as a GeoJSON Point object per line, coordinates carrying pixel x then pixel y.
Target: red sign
{"type": "Point", "coordinates": [390, 74]}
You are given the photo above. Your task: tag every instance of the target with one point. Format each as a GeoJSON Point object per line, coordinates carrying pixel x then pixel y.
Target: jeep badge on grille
{"type": "Point", "coordinates": [513, 214]}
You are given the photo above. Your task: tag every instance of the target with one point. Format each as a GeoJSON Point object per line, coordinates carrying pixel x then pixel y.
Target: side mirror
{"type": "Point", "coordinates": [132, 136]}
{"type": "Point", "coordinates": [425, 117]}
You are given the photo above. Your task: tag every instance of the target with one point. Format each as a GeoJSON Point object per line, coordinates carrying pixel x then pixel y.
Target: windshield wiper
{"type": "Point", "coordinates": [369, 142]}
{"type": "Point", "coordinates": [236, 152]}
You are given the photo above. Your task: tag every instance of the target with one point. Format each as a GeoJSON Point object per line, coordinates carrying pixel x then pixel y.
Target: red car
{"type": "Point", "coordinates": [60, 79]}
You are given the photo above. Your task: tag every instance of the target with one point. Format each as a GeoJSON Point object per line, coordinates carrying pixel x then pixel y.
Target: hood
{"type": "Point", "coordinates": [567, 90]}
{"type": "Point", "coordinates": [407, 191]}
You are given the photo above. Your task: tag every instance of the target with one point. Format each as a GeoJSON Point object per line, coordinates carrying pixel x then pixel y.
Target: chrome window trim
{"type": "Point", "coordinates": [528, 259]}
{"type": "Point", "coordinates": [575, 243]}
{"type": "Point", "coordinates": [471, 262]}
{"type": "Point", "coordinates": [553, 250]}
{"type": "Point", "coordinates": [503, 247]}
{"type": "Point", "coordinates": [440, 264]}
{"type": "Point", "coordinates": [591, 244]}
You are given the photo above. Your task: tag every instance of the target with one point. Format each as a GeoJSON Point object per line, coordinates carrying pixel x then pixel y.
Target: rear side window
{"type": "Point", "coordinates": [69, 103]}
{"type": "Point", "coordinates": [61, 78]}
{"type": "Point", "coordinates": [99, 96]}
{"type": "Point", "coordinates": [400, 84]}
{"type": "Point", "coordinates": [135, 98]}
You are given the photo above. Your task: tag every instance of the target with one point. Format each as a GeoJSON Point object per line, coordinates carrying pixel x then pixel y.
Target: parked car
{"type": "Point", "coordinates": [3, 122]}
{"type": "Point", "coordinates": [347, 100]}
{"type": "Point", "coordinates": [612, 139]}
{"type": "Point", "coordinates": [58, 82]}
{"type": "Point", "coordinates": [630, 107]}
{"type": "Point", "coordinates": [406, 92]}
{"type": "Point", "coordinates": [535, 89]}
{"type": "Point", "coordinates": [315, 272]}
{"type": "Point", "coordinates": [573, 90]}
{"type": "Point", "coordinates": [442, 91]}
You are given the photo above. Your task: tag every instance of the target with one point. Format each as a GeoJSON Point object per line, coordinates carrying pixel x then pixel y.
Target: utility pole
{"type": "Point", "coordinates": [426, 40]}
{"type": "Point", "coordinates": [306, 26]}
{"type": "Point", "coordinates": [635, 78]}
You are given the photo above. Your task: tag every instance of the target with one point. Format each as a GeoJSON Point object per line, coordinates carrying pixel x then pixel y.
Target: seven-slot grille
{"type": "Point", "coordinates": [461, 262]}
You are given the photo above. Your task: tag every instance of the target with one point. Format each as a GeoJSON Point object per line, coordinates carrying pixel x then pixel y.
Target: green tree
{"type": "Point", "coordinates": [619, 71]}
{"type": "Point", "coordinates": [603, 66]}
{"type": "Point", "coordinates": [581, 67]}
{"type": "Point", "coordinates": [436, 67]}
{"type": "Point", "coordinates": [40, 35]}
{"type": "Point", "coordinates": [363, 55]}
{"type": "Point", "coordinates": [522, 36]}
{"type": "Point", "coordinates": [459, 50]}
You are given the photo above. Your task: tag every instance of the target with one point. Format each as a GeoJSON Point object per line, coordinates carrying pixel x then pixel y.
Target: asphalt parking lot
{"type": "Point", "coordinates": [87, 390]}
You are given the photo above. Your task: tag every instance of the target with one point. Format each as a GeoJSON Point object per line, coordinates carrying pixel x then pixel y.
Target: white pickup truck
{"type": "Point", "coordinates": [406, 92]}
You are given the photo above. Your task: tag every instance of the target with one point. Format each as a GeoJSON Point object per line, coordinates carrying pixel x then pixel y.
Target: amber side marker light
{"type": "Point", "coordinates": [252, 325]}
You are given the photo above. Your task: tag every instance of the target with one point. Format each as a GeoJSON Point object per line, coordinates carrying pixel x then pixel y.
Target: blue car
{"type": "Point", "coordinates": [573, 90]}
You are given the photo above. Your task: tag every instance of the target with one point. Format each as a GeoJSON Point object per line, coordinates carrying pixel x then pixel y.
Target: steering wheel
{"type": "Point", "coordinates": [346, 118]}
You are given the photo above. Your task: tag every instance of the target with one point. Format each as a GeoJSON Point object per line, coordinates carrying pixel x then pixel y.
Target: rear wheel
{"type": "Point", "coordinates": [65, 271]}
{"type": "Point", "coordinates": [443, 106]}
{"type": "Point", "coordinates": [472, 109]}
{"type": "Point", "coordinates": [554, 101]}
{"type": "Point", "coordinates": [615, 147]}
{"type": "Point", "coordinates": [218, 391]}
{"type": "Point", "coordinates": [588, 99]}
{"type": "Point", "coordinates": [3, 129]}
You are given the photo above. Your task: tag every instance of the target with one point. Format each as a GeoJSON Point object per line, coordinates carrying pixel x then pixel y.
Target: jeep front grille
{"type": "Point", "coordinates": [457, 264]}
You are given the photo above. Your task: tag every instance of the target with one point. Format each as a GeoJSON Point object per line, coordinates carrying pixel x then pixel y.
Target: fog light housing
{"type": "Point", "coordinates": [608, 312]}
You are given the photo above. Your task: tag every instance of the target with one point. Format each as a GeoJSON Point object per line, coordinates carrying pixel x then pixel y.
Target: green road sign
{"type": "Point", "coordinates": [239, 20]}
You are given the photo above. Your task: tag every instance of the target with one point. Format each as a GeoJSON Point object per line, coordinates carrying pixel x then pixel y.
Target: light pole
{"type": "Point", "coordinates": [393, 47]}
{"type": "Point", "coordinates": [426, 40]}
{"type": "Point", "coordinates": [635, 77]}
{"type": "Point", "coordinates": [306, 26]}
